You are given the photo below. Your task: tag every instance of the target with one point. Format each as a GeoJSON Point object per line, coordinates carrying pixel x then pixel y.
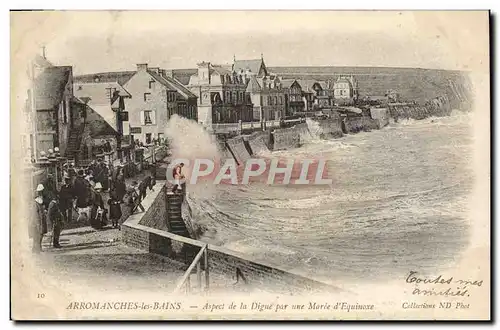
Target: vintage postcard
{"type": "Point", "coordinates": [244, 165]}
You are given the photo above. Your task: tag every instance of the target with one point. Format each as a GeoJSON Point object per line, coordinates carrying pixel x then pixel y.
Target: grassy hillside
{"type": "Point", "coordinates": [411, 83]}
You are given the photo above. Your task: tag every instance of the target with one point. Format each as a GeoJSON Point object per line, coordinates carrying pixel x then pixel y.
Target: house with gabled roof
{"type": "Point", "coordinates": [151, 98]}
{"type": "Point", "coordinates": [345, 89]}
{"type": "Point", "coordinates": [255, 67]}
{"type": "Point", "coordinates": [264, 87]}
{"type": "Point", "coordinates": [222, 95]}
{"type": "Point", "coordinates": [294, 101]}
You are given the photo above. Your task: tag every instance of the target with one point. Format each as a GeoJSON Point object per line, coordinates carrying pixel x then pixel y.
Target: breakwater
{"type": "Point", "coordinates": [258, 142]}
{"type": "Point", "coordinates": [243, 147]}
{"type": "Point", "coordinates": [360, 124]}
{"type": "Point", "coordinates": [437, 107]}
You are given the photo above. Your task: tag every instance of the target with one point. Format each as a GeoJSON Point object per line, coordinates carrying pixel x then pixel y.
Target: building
{"type": "Point", "coordinates": [345, 90]}
{"type": "Point", "coordinates": [29, 135]}
{"type": "Point", "coordinates": [94, 136]}
{"type": "Point", "coordinates": [55, 108]}
{"type": "Point", "coordinates": [103, 104]}
{"type": "Point", "coordinates": [221, 94]}
{"type": "Point", "coordinates": [250, 67]}
{"type": "Point", "coordinates": [294, 101]}
{"type": "Point", "coordinates": [317, 95]}
{"type": "Point", "coordinates": [265, 89]}
{"type": "Point", "coordinates": [268, 98]}
{"type": "Point", "coordinates": [151, 97]}
{"type": "Point", "coordinates": [324, 98]}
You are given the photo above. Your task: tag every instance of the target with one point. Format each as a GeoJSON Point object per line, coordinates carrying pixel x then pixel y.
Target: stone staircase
{"type": "Point", "coordinates": [73, 147]}
{"type": "Point", "coordinates": [175, 223]}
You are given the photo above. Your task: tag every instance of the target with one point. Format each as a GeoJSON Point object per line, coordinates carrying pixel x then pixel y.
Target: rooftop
{"type": "Point", "coordinates": [253, 66]}
{"type": "Point", "coordinates": [120, 77]}
{"type": "Point", "coordinates": [49, 86]}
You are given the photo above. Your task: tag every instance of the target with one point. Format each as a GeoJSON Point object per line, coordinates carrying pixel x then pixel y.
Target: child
{"type": "Point", "coordinates": [115, 210]}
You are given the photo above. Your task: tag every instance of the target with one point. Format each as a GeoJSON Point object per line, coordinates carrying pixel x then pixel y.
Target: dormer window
{"type": "Point", "coordinates": [109, 92]}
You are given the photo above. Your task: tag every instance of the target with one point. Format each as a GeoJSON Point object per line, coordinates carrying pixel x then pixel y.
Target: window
{"type": "Point", "coordinates": [148, 117]}
{"type": "Point", "coordinates": [148, 138]}
{"type": "Point", "coordinates": [222, 80]}
{"type": "Point", "coordinates": [170, 96]}
{"type": "Point", "coordinates": [160, 136]}
{"type": "Point", "coordinates": [109, 92]}
{"type": "Point", "coordinates": [147, 97]}
{"type": "Point", "coordinates": [151, 84]}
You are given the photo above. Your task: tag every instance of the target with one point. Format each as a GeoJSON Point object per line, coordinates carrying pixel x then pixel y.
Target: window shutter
{"type": "Point", "coordinates": [142, 118]}
{"type": "Point", "coordinates": [153, 117]}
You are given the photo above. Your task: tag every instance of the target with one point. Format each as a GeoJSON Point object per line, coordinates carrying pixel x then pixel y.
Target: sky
{"type": "Point", "coordinates": [93, 41]}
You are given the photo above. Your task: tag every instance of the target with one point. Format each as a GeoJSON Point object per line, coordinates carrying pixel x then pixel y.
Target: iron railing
{"type": "Point", "coordinates": [185, 281]}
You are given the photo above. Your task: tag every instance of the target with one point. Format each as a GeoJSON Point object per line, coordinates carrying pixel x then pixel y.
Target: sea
{"type": "Point", "coordinates": [398, 201]}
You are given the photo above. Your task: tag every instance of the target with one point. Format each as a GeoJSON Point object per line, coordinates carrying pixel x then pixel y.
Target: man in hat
{"type": "Point", "coordinates": [97, 207]}
{"type": "Point", "coordinates": [119, 184]}
{"type": "Point", "coordinates": [81, 190]}
{"type": "Point", "coordinates": [66, 199]}
{"type": "Point", "coordinates": [38, 220]}
{"type": "Point", "coordinates": [55, 218]}
{"type": "Point", "coordinates": [102, 175]}
{"type": "Point", "coordinates": [50, 190]}
{"type": "Point", "coordinates": [134, 200]}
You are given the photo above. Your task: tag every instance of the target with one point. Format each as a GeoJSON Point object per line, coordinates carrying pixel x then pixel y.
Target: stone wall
{"type": "Point", "coordinates": [331, 128]}
{"type": "Point", "coordinates": [156, 208]}
{"type": "Point", "coordinates": [237, 147]}
{"type": "Point", "coordinates": [258, 142]}
{"type": "Point", "coordinates": [220, 260]}
{"type": "Point", "coordinates": [304, 133]}
{"type": "Point", "coordinates": [362, 123]}
{"type": "Point", "coordinates": [381, 115]}
{"type": "Point", "coordinates": [286, 138]}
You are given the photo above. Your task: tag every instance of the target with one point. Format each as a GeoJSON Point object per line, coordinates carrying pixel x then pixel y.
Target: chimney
{"type": "Point", "coordinates": [168, 73]}
{"type": "Point", "coordinates": [142, 67]}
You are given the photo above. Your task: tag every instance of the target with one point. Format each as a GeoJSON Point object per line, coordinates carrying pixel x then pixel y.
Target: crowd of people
{"type": "Point", "coordinates": [82, 192]}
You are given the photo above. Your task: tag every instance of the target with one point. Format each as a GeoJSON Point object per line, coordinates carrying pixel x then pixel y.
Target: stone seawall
{"type": "Point", "coordinates": [156, 215]}
{"type": "Point", "coordinates": [304, 133]}
{"type": "Point", "coordinates": [359, 124]}
{"type": "Point", "coordinates": [438, 107]}
{"type": "Point", "coordinates": [238, 149]}
{"type": "Point", "coordinates": [286, 138]}
{"type": "Point", "coordinates": [258, 142]}
{"type": "Point", "coordinates": [224, 152]}
{"type": "Point", "coordinates": [381, 115]}
{"type": "Point", "coordinates": [330, 128]}
{"type": "Point", "coordinates": [221, 261]}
